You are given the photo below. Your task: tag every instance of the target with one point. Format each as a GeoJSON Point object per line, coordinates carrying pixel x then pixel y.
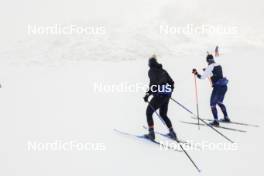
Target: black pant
{"type": "Point", "coordinates": [160, 102]}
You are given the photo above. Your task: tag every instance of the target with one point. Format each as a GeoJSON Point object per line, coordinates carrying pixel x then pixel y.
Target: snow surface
{"type": "Point", "coordinates": [48, 92]}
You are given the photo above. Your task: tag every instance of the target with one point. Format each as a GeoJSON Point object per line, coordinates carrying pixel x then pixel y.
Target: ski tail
{"type": "Point", "coordinates": [144, 138]}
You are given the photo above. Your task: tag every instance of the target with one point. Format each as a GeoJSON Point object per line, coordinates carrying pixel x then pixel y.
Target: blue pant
{"type": "Point", "coordinates": [217, 98]}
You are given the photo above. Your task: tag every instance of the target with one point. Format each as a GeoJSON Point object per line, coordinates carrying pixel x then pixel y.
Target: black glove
{"type": "Point", "coordinates": [194, 71]}
{"type": "Point", "coordinates": [146, 97]}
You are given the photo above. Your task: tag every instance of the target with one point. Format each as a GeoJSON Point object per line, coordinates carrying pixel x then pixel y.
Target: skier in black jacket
{"type": "Point", "coordinates": [219, 83]}
{"type": "Point", "coordinates": [160, 87]}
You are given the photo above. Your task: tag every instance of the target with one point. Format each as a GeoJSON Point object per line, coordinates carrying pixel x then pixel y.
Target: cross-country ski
{"type": "Point", "coordinates": [219, 126]}
{"type": "Point", "coordinates": [150, 140]}
{"type": "Point", "coordinates": [231, 122]}
{"type": "Point", "coordinates": [178, 140]}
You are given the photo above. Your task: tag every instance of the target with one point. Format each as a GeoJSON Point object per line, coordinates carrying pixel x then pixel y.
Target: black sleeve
{"type": "Point", "coordinates": [150, 75]}
{"type": "Point", "coordinates": [170, 80]}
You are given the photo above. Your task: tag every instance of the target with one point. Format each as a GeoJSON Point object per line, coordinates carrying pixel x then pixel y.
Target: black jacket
{"type": "Point", "coordinates": [158, 76]}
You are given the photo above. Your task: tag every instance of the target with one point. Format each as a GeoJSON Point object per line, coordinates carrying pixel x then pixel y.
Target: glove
{"type": "Point", "coordinates": [146, 97]}
{"type": "Point", "coordinates": [194, 71]}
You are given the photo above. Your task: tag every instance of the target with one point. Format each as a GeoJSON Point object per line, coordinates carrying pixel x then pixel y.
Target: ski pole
{"type": "Point", "coordinates": [156, 113]}
{"type": "Point", "coordinates": [182, 106]}
{"type": "Point", "coordinates": [199, 170]}
{"type": "Point", "coordinates": [202, 120]}
{"type": "Point", "coordinates": [216, 130]}
{"type": "Point", "coordinates": [186, 153]}
{"type": "Point", "coordinates": [196, 98]}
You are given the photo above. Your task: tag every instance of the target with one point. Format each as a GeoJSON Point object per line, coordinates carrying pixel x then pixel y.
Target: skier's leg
{"type": "Point", "coordinates": [152, 107]}
{"type": "Point", "coordinates": [213, 102]}
{"type": "Point", "coordinates": [221, 100]}
{"type": "Point", "coordinates": [163, 112]}
{"type": "Point", "coordinates": [223, 108]}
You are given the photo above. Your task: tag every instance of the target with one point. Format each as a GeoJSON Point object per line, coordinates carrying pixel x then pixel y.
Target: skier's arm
{"type": "Point", "coordinates": [149, 92]}
{"type": "Point", "coordinates": [150, 75]}
{"type": "Point", "coordinates": [170, 80]}
{"type": "Point", "coordinates": [206, 74]}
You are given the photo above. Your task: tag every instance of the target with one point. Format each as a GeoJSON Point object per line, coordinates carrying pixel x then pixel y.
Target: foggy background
{"type": "Point", "coordinates": [128, 24]}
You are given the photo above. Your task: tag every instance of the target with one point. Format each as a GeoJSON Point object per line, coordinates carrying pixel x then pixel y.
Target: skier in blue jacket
{"type": "Point", "coordinates": [215, 74]}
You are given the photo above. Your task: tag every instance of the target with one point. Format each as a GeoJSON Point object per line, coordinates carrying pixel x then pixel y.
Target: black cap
{"type": "Point", "coordinates": [152, 60]}
{"type": "Point", "coordinates": [210, 58]}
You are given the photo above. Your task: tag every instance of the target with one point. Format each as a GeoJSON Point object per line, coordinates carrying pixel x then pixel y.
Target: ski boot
{"type": "Point", "coordinates": [214, 123]}
{"type": "Point", "coordinates": [225, 119]}
{"type": "Point", "coordinates": [172, 134]}
{"type": "Point", "coordinates": [150, 135]}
